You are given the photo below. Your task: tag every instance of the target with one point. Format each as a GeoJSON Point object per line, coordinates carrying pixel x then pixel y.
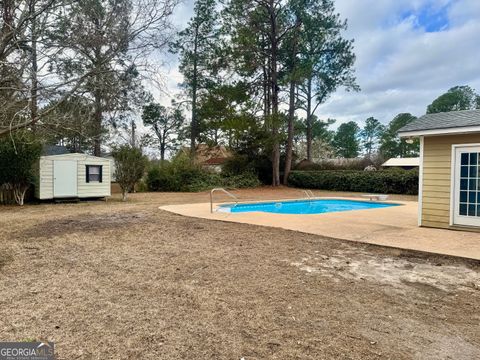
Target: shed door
{"type": "Point", "coordinates": [467, 186]}
{"type": "Point", "coordinates": [64, 178]}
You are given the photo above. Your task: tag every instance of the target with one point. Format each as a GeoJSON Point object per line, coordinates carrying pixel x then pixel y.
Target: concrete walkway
{"type": "Point", "coordinates": [393, 227]}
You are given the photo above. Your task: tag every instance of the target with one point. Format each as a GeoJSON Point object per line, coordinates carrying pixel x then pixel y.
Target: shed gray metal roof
{"type": "Point", "coordinates": [445, 120]}
{"type": "Point", "coordinates": [54, 150]}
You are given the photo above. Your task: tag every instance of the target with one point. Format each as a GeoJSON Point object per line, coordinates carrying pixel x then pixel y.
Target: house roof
{"type": "Point", "coordinates": [203, 152]}
{"type": "Point", "coordinates": [215, 161]}
{"type": "Point", "coordinates": [400, 162]}
{"type": "Point", "coordinates": [453, 122]}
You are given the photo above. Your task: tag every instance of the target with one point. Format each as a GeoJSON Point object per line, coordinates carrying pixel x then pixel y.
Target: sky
{"type": "Point", "coordinates": [408, 53]}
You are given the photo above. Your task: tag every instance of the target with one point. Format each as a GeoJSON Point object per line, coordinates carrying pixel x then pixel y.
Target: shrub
{"type": "Point", "coordinates": [385, 182]}
{"type": "Point", "coordinates": [182, 175]}
{"type": "Point", "coordinates": [18, 154]}
{"type": "Point", "coordinates": [129, 167]}
{"type": "Point", "coordinates": [246, 180]}
{"type": "Point", "coordinates": [336, 164]}
{"type": "Point", "coordinates": [236, 165]}
{"type": "Point", "coordinates": [341, 164]}
{"type": "Point", "coordinates": [260, 166]}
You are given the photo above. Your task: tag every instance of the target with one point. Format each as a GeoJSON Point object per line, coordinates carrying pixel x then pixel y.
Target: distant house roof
{"type": "Point", "coordinates": [204, 153]}
{"type": "Point", "coordinates": [453, 122]}
{"type": "Point", "coordinates": [54, 150]}
{"type": "Point", "coordinates": [402, 162]}
{"type": "Point", "coordinates": [215, 161]}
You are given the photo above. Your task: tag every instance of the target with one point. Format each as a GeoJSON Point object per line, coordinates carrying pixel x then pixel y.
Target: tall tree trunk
{"type": "Point", "coordinates": [194, 124]}
{"type": "Point", "coordinates": [133, 140]}
{"type": "Point", "coordinates": [266, 93]}
{"type": "Point", "coordinates": [291, 119]}
{"type": "Point", "coordinates": [34, 69]}
{"type": "Point", "coordinates": [309, 120]}
{"type": "Point", "coordinates": [97, 123]}
{"type": "Point", "coordinates": [98, 109]}
{"type": "Point", "coordinates": [162, 153]}
{"type": "Point", "coordinates": [275, 100]}
{"type": "Point", "coordinates": [291, 107]}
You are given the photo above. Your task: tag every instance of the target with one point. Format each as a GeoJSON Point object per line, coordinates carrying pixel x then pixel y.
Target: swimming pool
{"type": "Point", "coordinates": [305, 207]}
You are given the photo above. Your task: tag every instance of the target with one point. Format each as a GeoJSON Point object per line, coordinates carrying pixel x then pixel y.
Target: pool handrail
{"type": "Point", "coordinates": [309, 194]}
{"type": "Point", "coordinates": [224, 191]}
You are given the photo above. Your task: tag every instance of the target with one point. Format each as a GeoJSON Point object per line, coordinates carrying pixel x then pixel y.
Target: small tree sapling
{"type": "Point", "coordinates": [130, 166]}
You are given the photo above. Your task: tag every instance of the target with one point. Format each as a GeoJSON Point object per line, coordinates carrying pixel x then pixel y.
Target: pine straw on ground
{"type": "Point", "coordinates": [129, 281]}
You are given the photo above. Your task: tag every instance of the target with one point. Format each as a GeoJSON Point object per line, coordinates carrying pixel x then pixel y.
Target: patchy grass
{"type": "Point", "coordinates": [5, 258]}
{"type": "Point", "coordinates": [129, 281]}
{"type": "Point", "coordinates": [85, 223]}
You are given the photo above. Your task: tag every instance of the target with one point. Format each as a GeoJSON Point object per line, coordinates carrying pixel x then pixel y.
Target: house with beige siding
{"type": "Point", "coordinates": [64, 176]}
{"type": "Point", "coordinates": [449, 174]}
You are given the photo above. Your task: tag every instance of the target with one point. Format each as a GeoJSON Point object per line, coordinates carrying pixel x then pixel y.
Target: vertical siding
{"type": "Point", "coordinates": [45, 179]}
{"type": "Point", "coordinates": [437, 161]}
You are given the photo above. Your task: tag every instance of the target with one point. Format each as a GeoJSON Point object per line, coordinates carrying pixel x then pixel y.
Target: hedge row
{"type": "Point", "coordinates": [195, 179]}
{"type": "Point", "coordinates": [384, 182]}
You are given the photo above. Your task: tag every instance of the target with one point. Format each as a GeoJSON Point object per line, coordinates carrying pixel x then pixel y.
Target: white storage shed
{"type": "Point", "coordinates": [72, 176]}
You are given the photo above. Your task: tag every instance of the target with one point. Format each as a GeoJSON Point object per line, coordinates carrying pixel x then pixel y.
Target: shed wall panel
{"type": "Point", "coordinates": [91, 189]}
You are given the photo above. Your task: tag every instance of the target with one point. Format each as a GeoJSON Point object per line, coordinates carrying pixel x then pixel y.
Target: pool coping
{"type": "Point", "coordinates": [394, 227]}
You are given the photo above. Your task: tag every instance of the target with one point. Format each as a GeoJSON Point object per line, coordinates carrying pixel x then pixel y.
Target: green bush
{"type": "Point", "coordinates": [260, 165]}
{"type": "Point", "coordinates": [339, 164]}
{"type": "Point", "coordinates": [236, 165]}
{"type": "Point", "coordinates": [385, 182]}
{"type": "Point", "coordinates": [18, 155]}
{"type": "Point", "coordinates": [130, 166]}
{"type": "Point", "coordinates": [182, 175]}
{"type": "Point", "coordinates": [246, 180]}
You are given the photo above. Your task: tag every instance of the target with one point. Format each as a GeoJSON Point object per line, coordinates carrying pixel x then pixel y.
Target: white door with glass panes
{"type": "Point", "coordinates": [466, 193]}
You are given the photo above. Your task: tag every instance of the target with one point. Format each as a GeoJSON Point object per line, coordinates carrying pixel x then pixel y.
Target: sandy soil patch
{"type": "Point", "coordinates": [129, 281]}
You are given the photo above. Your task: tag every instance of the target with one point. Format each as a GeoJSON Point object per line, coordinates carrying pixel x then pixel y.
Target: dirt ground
{"type": "Point", "coordinates": [109, 280]}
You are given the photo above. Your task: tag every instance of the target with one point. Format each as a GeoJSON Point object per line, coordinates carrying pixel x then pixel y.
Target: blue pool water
{"type": "Point", "coordinates": [305, 206]}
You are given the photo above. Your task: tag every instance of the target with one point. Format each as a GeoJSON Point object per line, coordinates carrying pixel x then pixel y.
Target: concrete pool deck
{"type": "Point", "coordinates": [393, 227]}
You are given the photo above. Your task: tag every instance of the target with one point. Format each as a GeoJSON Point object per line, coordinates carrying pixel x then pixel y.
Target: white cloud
{"type": "Point", "coordinates": [401, 67]}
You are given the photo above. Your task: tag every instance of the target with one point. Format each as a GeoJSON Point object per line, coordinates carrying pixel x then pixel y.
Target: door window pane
{"type": "Point", "coordinates": [471, 210]}
{"type": "Point", "coordinates": [473, 184]}
{"type": "Point", "coordinates": [473, 171]}
{"type": "Point", "coordinates": [472, 197]}
{"type": "Point", "coordinates": [469, 184]}
{"type": "Point", "coordinates": [473, 158]}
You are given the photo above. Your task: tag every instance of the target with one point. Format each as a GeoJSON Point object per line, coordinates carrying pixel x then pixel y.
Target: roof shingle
{"type": "Point", "coordinates": [445, 120]}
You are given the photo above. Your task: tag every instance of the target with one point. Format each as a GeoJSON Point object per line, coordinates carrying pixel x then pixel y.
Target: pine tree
{"type": "Point", "coordinates": [198, 48]}
{"type": "Point", "coordinates": [327, 59]}
{"type": "Point", "coordinates": [371, 135]}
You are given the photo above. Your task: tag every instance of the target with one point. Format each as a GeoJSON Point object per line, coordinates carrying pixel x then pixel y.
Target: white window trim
{"type": "Point", "coordinates": [451, 131]}
{"type": "Point", "coordinates": [100, 173]}
{"type": "Point", "coordinates": [453, 179]}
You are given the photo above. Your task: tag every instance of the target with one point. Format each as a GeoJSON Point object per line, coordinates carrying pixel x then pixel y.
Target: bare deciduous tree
{"type": "Point", "coordinates": [96, 49]}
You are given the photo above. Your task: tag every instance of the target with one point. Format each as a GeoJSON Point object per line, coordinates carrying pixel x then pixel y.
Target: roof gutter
{"type": "Point", "coordinates": [438, 132]}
